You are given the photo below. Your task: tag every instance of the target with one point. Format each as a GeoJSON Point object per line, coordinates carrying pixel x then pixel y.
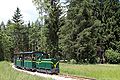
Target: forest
{"type": "Point", "coordinates": [79, 31]}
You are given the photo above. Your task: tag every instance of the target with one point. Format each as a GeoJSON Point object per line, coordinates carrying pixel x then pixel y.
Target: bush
{"type": "Point", "coordinates": [112, 57]}
{"type": "Point", "coordinates": [73, 61]}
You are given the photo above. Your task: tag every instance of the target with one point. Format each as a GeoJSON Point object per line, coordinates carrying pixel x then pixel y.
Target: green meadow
{"type": "Point", "coordinates": [98, 71]}
{"type": "Point", "coordinates": [8, 73]}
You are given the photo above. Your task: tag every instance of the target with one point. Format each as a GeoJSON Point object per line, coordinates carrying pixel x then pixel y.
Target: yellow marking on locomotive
{"type": "Point", "coordinates": [56, 64]}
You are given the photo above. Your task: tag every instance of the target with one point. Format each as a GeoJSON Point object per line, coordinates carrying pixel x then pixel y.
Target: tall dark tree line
{"type": "Point", "coordinates": [89, 30]}
{"type": "Point", "coordinates": [90, 25]}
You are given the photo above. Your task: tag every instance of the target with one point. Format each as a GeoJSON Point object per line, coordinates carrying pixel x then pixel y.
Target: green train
{"type": "Point", "coordinates": [36, 61]}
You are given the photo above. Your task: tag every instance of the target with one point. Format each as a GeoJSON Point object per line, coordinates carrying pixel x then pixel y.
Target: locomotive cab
{"type": "Point", "coordinates": [46, 64]}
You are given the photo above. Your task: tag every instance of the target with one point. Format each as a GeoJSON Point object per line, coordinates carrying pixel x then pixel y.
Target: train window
{"type": "Point", "coordinates": [28, 57]}
{"type": "Point", "coordinates": [33, 57]}
{"type": "Point", "coordinates": [45, 56]}
{"type": "Point", "coordinates": [38, 57]}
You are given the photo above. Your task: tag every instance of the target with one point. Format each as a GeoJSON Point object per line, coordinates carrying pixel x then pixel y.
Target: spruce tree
{"type": "Point", "coordinates": [52, 23]}
{"type": "Point", "coordinates": [18, 30]}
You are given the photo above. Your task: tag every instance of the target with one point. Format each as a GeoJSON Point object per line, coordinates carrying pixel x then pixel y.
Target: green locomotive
{"type": "Point", "coordinates": [36, 61]}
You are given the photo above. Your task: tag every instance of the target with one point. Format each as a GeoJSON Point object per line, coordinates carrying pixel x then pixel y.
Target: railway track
{"type": "Point", "coordinates": [54, 77]}
{"type": "Point", "coordinates": [76, 77]}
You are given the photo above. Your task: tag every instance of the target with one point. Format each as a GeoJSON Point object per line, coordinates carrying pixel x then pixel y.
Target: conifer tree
{"type": "Point", "coordinates": [52, 24]}
{"type": "Point", "coordinates": [18, 30]}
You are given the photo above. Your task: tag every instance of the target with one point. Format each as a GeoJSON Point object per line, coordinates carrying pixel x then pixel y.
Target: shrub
{"type": "Point", "coordinates": [112, 57]}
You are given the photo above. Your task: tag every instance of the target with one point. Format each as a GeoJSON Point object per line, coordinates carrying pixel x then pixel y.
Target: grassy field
{"type": "Point", "coordinates": [8, 73]}
{"type": "Point", "coordinates": [98, 71]}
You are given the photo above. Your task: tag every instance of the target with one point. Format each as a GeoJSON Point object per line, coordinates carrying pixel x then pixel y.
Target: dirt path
{"type": "Point", "coordinates": [54, 77]}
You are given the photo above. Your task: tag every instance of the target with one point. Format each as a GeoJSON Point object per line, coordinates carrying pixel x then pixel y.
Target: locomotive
{"type": "Point", "coordinates": [36, 61]}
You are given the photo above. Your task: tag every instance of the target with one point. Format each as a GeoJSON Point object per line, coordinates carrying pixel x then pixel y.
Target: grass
{"type": "Point", "coordinates": [98, 71]}
{"type": "Point", "coordinates": [8, 73]}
